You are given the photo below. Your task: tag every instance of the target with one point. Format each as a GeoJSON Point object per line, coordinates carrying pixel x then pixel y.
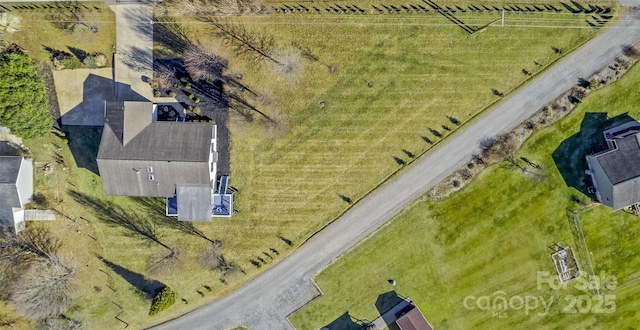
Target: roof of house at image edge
{"type": "Point", "coordinates": [622, 164]}
{"type": "Point", "coordinates": [9, 194]}
{"type": "Point", "coordinates": [175, 152]}
{"type": "Point", "coordinates": [413, 320]}
{"type": "Point", "coordinates": [622, 167]}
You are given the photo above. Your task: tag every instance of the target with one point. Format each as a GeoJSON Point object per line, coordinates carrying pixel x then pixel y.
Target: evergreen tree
{"type": "Point", "coordinates": [23, 101]}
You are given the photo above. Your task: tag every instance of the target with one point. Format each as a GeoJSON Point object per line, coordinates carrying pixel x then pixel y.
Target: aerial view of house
{"type": "Point", "coordinates": [267, 164]}
{"type": "Point", "coordinates": [16, 190]}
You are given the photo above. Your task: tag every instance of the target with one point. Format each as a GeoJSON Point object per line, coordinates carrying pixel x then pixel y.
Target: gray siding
{"type": "Point", "coordinates": [605, 187]}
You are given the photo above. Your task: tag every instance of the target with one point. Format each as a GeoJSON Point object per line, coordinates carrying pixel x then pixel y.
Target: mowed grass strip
{"type": "Point", "coordinates": [290, 185]}
{"type": "Point", "coordinates": [493, 236]}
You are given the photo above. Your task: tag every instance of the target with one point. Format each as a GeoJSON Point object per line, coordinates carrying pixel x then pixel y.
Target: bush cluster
{"type": "Point", "coordinates": [164, 299]}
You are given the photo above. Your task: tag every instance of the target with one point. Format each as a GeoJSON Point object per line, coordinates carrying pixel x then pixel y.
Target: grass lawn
{"type": "Point", "coordinates": [494, 235]}
{"type": "Point", "coordinates": [37, 32]}
{"type": "Point", "coordinates": [290, 182]}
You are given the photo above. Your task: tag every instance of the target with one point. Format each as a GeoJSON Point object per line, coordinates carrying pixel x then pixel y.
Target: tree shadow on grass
{"type": "Point", "coordinates": [146, 286]}
{"type": "Point", "coordinates": [114, 215]}
{"type": "Point", "coordinates": [570, 155]}
{"type": "Point", "coordinates": [156, 208]}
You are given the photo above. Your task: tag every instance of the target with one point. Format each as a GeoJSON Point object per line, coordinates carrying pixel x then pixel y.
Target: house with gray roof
{"type": "Point", "coordinates": [142, 157]}
{"type": "Point", "coordinates": [16, 190]}
{"type": "Point", "coordinates": [616, 172]}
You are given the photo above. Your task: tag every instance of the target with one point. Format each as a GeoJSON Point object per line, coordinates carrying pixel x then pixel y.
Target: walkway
{"type": "Point", "coordinates": [133, 62]}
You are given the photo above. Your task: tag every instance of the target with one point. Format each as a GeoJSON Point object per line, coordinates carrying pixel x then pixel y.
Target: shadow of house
{"type": "Point", "coordinates": [83, 123]}
{"type": "Point", "coordinates": [569, 156]}
{"type": "Point", "coordinates": [95, 91]}
{"type": "Point", "coordinates": [83, 143]}
{"type": "Point", "coordinates": [344, 322]}
{"type": "Point", "coordinates": [144, 285]}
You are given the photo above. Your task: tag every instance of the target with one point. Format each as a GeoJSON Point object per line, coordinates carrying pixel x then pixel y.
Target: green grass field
{"type": "Point", "coordinates": [494, 235]}
{"type": "Point", "coordinates": [290, 180]}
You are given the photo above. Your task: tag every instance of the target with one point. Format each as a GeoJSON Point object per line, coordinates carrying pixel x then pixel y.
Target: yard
{"type": "Point", "coordinates": [479, 241]}
{"type": "Point", "coordinates": [370, 93]}
{"type": "Point", "coordinates": [37, 32]}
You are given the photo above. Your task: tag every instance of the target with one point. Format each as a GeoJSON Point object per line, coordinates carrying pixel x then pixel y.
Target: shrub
{"type": "Point", "coordinates": [70, 62]}
{"type": "Point", "coordinates": [187, 86]}
{"type": "Point", "coordinates": [156, 93]}
{"type": "Point", "coordinates": [184, 79]}
{"type": "Point", "coordinates": [101, 60]}
{"type": "Point", "coordinates": [191, 96]}
{"type": "Point", "coordinates": [176, 85]}
{"type": "Point", "coordinates": [90, 62]}
{"type": "Point", "coordinates": [197, 100]}
{"type": "Point", "coordinates": [197, 111]}
{"type": "Point", "coordinates": [172, 94]}
{"type": "Point", "coordinates": [164, 299]}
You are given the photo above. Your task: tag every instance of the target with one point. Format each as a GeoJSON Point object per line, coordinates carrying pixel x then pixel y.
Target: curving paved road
{"type": "Point", "coordinates": [265, 302]}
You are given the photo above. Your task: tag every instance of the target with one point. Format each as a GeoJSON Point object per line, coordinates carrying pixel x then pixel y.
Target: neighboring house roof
{"type": "Point", "coordinates": [413, 320]}
{"type": "Point", "coordinates": [621, 166]}
{"type": "Point", "coordinates": [138, 157]}
{"type": "Point", "coordinates": [16, 187]}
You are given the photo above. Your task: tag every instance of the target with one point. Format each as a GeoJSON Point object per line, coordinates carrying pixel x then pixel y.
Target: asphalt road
{"type": "Point", "coordinates": [265, 302]}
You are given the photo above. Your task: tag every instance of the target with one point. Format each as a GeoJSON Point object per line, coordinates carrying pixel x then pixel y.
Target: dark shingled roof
{"type": "Point", "coordinates": [178, 152]}
{"type": "Point", "coordinates": [413, 320]}
{"type": "Point", "coordinates": [172, 141]}
{"type": "Point", "coordinates": [9, 198]}
{"type": "Point", "coordinates": [622, 164]}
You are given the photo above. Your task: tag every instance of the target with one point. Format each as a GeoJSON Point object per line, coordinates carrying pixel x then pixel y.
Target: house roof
{"type": "Point", "coordinates": [413, 320]}
{"type": "Point", "coordinates": [623, 163]}
{"type": "Point", "coordinates": [129, 135]}
{"type": "Point", "coordinates": [9, 194]}
{"type": "Point", "coordinates": [139, 157]}
{"type": "Point", "coordinates": [622, 168]}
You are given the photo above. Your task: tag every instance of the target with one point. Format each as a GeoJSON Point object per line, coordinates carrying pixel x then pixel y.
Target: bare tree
{"type": "Point", "coordinates": [18, 252]}
{"type": "Point", "coordinates": [203, 66]}
{"type": "Point", "coordinates": [68, 15]}
{"type": "Point", "coordinates": [163, 74]}
{"type": "Point", "coordinates": [289, 64]}
{"type": "Point", "coordinates": [164, 263]}
{"type": "Point", "coordinates": [46, 289]}
{"type": "Point", "coordinates": [218, 7]}
{"type": "Point", "coordinates": [212, 258]}
{"type": "Point", "coordinates": [254, 45]}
